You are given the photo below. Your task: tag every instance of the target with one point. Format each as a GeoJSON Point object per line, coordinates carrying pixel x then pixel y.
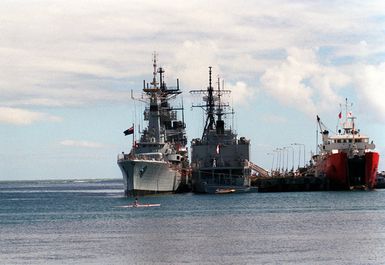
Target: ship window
{"type": "Point", "coordinates": [350, 140]}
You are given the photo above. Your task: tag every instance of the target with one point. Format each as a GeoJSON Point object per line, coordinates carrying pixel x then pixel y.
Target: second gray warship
{"type": "Point", "coordinates": [158, 162]}
{"type": "Point", "coordinates": [219, 160]}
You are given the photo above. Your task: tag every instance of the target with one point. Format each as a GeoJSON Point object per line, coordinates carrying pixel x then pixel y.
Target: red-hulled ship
{"type": "Point", "coordinates": [347, 159]}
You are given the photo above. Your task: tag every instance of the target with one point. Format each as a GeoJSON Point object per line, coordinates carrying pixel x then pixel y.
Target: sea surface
{"type": "Point", "coordinates": [77, 222]}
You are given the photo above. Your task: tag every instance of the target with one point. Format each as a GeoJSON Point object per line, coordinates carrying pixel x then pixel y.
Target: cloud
{"type": "Point", "coordinates": [62, 97]}
{"type": "Point", "coordinates": [241, 94]}
{"type": "Point", "coordinates": [370, 80]}
{"type": "Point", "coordinates": [19, 116]}
{"type": "Point", "coordinates": [301, 82]}
{"type": "Point", "coordinates": [71, 53]}
{"type": "Point", "coordinates": [191, 62]}
{"type": "Point", "coordinates": [82, 144]}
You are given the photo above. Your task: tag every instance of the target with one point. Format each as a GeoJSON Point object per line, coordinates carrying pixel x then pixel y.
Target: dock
{"type": "Point", "coordinates": [291, 183]}
{"type": "Point", "coordinates": [303, 182]}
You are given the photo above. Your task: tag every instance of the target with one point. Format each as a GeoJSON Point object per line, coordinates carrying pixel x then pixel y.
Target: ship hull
{"type": "Point", "coordinates": [142, 177]}
{"type": "Point", "coordinates": [214, 180]}
{"type": "Point", "coordinates": [345, 173]}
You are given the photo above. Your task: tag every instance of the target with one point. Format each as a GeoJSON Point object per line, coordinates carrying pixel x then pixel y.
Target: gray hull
{"type": "Point", "coordinates": [211, 180]}
{"type": "Point", "coordinates": [148, 177]}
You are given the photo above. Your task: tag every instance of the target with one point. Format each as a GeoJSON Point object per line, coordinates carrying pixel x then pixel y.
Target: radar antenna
{"type": "Point", "coordinates": [212, 106]}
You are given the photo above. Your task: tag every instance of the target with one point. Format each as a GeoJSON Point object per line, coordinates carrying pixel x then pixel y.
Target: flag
{"type": "Point", "coordinates": [217, 149]}
{"type": "Point", "coordinates": [340, 115]}
{"type": "Point", "coordinates": [129, 131]}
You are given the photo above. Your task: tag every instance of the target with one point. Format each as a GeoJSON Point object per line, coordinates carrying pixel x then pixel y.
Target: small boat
{"type": "Point", "coordinates": [224, 191]}
{"type": "Point", "coordinates": [139, 205]}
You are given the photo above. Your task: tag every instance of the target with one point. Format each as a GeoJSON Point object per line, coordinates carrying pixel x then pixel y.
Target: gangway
{"type": "Point", "coordinates": [261, 171]}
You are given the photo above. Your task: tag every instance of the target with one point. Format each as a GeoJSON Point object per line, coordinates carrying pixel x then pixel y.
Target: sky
{"type": "Point", "coordinates": [67, 68]}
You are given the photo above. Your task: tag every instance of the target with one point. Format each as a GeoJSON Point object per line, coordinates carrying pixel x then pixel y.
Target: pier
{"type": "Point", "coordinates": [291, 183]}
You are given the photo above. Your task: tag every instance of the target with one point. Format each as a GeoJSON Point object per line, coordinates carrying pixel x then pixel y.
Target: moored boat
{"type": "Point", "coordinates": [219, 160]}
{"type": "Point", "coordinates": [158, 162]}
{"type": "Point", "coordinates": [347, 158]}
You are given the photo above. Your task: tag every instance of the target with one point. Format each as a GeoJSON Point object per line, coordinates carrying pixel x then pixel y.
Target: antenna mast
{"type": "Point", "coordinates": [210, 104]}
{"type": "Point", "coordinates": [154, 83]}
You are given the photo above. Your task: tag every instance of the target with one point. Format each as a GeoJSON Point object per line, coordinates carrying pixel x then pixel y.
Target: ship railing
{"type": "Point", "coordinates": [144, 156]}
{"type": "Point", "coordinates": [123, 156]}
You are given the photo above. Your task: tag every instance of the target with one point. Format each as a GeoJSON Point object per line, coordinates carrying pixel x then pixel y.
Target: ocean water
{"type": "Point", "coordinates": [77, 222]}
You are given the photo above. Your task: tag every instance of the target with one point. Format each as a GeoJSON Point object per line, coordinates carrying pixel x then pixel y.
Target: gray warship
{"type": "Point", "coordinates": [158, 162]}
{"type": "Point", "coordinates": [219, 160]}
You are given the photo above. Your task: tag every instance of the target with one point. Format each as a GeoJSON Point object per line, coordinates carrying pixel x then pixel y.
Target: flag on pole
{"type": "Point", "coordinates": [129, 131]}
{"type": "Point", "coordinates": [340, 115]}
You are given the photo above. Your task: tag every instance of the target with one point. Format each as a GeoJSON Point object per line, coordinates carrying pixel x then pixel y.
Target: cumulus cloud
{"type": "Point", "coordinates": [301, 82]}
{"type": "Point", "coordinates": [191, 62]}
{"type": "Point", "coordinates": [370, 81]}
{"type": "Point", "coordinates": [241, 93]}
{"type": "Point", "coordinates": [19, 116]}
{"type": "Point", "coordinates": [71, 53]}
{"type": "Point", "coordinates": [81, 143]}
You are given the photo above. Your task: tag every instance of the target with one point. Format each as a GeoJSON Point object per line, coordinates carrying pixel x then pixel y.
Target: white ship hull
{"type": "Point", "coordinates": [148, 176]}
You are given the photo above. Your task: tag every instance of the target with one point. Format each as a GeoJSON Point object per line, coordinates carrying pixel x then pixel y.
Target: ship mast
{"type": "Point", "coordinates": [220, 126]}
{"type": "Point", "coordinates": [154, 126]}
{"type": "Point", "coordinates": [212, 107]}
{"type": "Point", "coordinates": [154, 83]}
{"type": "Point", "coordinates": [208, 107]}
{"type": "Point", "coordinates": [348, 125]}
